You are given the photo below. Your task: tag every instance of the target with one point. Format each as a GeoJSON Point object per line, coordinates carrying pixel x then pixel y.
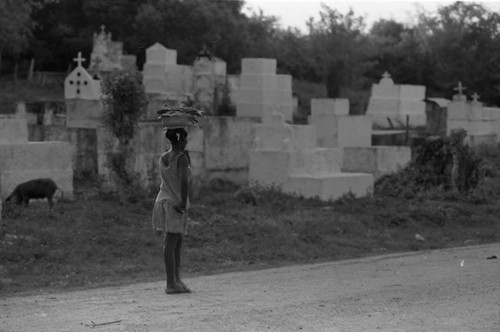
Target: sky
{"type": "Point", "coordinates": [294, 13]}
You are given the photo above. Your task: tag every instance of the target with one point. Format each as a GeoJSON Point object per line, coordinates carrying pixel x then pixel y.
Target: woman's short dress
{"type": "Point", "coordinates": [165, 217]}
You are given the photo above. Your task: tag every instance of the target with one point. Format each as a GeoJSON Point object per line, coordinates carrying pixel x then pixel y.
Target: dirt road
{"type": "Point", "coordinates": [444, 290]}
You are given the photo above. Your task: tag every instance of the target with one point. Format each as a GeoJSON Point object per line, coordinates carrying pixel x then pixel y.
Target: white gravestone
{"type": "Point", "coordinates": [262, 92]}
{"type": "Point", "coordinates": [286, 156]}
{"type": "Point", "coordinates": [393, 104]}
{"type": "Point", "coordinates": [80, 85]}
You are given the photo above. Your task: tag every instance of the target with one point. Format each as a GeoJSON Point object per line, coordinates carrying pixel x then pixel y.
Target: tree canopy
{"type": "Point", "coordinates": [460, 42]}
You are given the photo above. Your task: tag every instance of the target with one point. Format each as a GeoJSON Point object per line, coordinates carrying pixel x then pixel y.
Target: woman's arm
{"type": "Point", "coordinates": [183, 165]}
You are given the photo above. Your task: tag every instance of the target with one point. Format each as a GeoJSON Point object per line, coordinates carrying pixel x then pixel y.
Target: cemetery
{"type": "Point", "coordinates": [330, 156]}
{"type": "Point", "coordinates": [333, 161]}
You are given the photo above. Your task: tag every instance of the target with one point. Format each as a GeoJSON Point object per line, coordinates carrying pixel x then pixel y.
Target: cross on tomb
{"type": "Point", "coordinates": [475, 97]}
{"type": "Point", "coordinates": [386, 75]}
{"type": "Point", "coordinates": [79, 59]}
{"type": "Point", "coordinates": [460, 88]}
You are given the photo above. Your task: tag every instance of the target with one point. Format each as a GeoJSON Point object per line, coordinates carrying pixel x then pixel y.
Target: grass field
{"type": "Point", "coordinates": [96, 241]}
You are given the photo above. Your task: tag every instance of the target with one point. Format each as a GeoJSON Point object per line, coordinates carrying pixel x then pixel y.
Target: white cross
{"type": "Point", "coordinates": [386, 75]}
{"type": "Point", "coordinates": [475, 96]}
{"type": "Point", "coordinates": [460, 88]}
{"type": "Point", "coordinates": [79, 59]}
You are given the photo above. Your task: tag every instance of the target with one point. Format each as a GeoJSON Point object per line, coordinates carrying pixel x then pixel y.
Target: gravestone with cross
{"type": "Point", "coordinates": [396, 106]}
{"type": "Point", "coordinates": [460, 96]}
{"type": "Point", "coordinates": [80, 85]}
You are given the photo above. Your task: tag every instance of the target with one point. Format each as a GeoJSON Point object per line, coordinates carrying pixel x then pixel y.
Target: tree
{"type": "Point", "coordinates": [15, 26]}
{"type": "Point", "coordinates": [124, 100]}
{"type": "Point", "coordinates": [341, 54]}
{"type": "Point", "coordinates": [464, 43]}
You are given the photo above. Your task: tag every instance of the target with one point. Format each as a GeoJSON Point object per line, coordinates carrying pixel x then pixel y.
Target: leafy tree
{"type": "Point", "coordinates": [62, 31]}
{"type": "Point", "coordinates": [15, 26]}
{"type": "Point", "coordinates": [124, 100]}
{"type": "Point", "coordinates": [464, 43]}
{"type": "Point", "coordinates": [341, 54]}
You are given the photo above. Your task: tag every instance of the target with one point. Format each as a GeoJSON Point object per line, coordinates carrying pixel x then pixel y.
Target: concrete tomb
{"type": "Point", "coordinates": [471, 116]}
{"type": "Point", "coordinates": [261, 91]}
{"type": "Point", "coordinates": [209, 81]}
{"type": "Point", "coordinates": [107, 55]}
{"type": "Point", "coordinates": [335, 127]}
{"type": "Point", "coordinates": [286, 156]}
{"type": "Point", "coordinates": [162, 74]}
{"type": "Point", "coordinates": [390, 104]}
{"type": "Point", "coordinates": [80, 84]}
{"type": "Point", "coordinates": [82, 94]}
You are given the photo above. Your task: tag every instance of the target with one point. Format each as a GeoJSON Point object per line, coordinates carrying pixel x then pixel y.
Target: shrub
{"type": "Point", "coordinates": [124, 100]}
{"type": "Point", "coordinates": [446, 162]}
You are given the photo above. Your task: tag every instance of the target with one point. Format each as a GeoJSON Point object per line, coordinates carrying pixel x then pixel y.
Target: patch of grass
{"type": "Point", "coordinates": [95, 241]}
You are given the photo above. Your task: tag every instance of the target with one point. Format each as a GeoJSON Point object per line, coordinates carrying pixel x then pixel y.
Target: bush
{"type": "Point", "coordinates": [446, 162]}
{"type": "Point", "coordinates": [124, 100]}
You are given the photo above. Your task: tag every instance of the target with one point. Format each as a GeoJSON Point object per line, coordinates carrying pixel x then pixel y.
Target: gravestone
{"type": "Point", "coordinates": [80, 84]}
{"type": "Point", "coordinates": [353, 134]}
{"type": "Point", "coordinates": [391, 105]}
{"type": "Point", "coordinates": [107, 55]}
{"type": "Point", "coordinates": [162, 75]}
{"type": "Point", "coordinates": [472, 117]}
{"type": "Point", "coordinates": [82, 95]}
{"type": "Point", "coordinates": [335, 127]}
{"type": "Point", "coordinates": [286, 156]}
{"type": "Point", "coordinates": [262, 92]}
{"type": "Point", "coordinates": [209, 80]}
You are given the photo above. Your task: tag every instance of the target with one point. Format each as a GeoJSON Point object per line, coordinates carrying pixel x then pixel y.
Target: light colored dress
{"type": "Point", "coordinates": [165, 217]}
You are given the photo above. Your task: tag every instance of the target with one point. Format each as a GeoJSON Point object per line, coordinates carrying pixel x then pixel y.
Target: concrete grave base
{"type": "Point", "coordinates": [273, 167]}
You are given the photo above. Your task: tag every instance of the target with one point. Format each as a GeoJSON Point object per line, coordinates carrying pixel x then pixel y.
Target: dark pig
{"type": "Point", "coordinates": [38, 188]}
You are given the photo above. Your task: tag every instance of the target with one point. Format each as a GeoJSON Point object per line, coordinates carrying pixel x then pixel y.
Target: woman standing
{"type": "Point", "coordinates": [170, 212]}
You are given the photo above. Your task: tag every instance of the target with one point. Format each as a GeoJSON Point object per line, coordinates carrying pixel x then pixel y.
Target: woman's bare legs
{"type": "Point", "coordinates": [178, 253]}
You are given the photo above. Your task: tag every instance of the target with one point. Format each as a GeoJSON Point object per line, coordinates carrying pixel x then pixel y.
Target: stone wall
{"type": "Point", "coordinates": [218, 149]}
{"type": "Point", "coordinates": [20, 162]}
{"type": "Point", "coordinates": [83, 141]}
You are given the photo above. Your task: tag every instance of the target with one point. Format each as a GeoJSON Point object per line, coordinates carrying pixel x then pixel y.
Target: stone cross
{"type": "Point", "coordinates": [386, 75]}
{"type": "Point", "coordinates": [460, 88]}
{"type": "Point", "coordinates": [79, 59]}
{"type": "Point", "coordinates": [475, 97]}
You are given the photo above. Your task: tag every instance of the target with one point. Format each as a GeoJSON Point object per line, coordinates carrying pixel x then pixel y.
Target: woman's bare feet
{"type": "Point", "coordinates": [183, 286]}
{"type": "Point", "coordinates": [179, 288]}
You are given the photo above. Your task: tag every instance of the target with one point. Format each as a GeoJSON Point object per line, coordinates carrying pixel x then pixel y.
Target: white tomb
{"type": "Point", "coordinates": [335, 127]}
{"type": "Point", "coordinates": [472, 117]}
{"type": "Point", "coordinates": [286, 156]}
{"type": "Point", "coordinates": [162, 74]}
{"type": "Point", "coordinates": [262, 92]}
{"type": "Point", "coordinates": [391, 105]}
{"type": "Point", "coordinates": [80, 85]}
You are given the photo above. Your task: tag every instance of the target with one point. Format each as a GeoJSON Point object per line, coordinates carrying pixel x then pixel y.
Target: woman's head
{"type": "Point", "coordinates": [177, 137]}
